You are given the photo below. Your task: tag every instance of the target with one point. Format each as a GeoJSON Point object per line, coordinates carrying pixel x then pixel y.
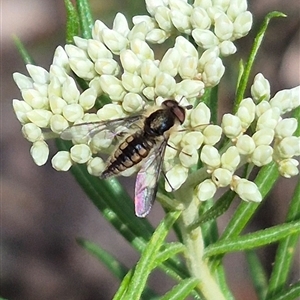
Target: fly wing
{"type": "Point", "coordinates": [86, 131]}
{"type": "Point", "coordinates": [147, 180]}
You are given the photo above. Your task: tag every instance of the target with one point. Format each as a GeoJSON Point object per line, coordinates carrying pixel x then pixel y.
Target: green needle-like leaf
{"type": "Point", "coordinates": [182, 290]}
{"type": "Point", "coordinates": [72, 25]}
{"type": "Point", "coordinates": [292, 293]}
{"type": "Point", "coordinates": [147, 261]}
{"type": "Point", "coordinates": [253, 240]}
{"type": "Point", "coordinates": [27, 59]}
{"type": "Point", "coordinates": [85, 18]}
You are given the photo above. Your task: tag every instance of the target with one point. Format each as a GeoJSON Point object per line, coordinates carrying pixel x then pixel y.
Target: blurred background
{"type": "Point", "coordinates": [43, 211]}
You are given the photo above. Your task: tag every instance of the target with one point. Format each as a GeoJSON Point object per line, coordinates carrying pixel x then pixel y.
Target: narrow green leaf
{"type": "Point", "coordinates": [167, 251]}
{"type": "Point", "coordinates": [258, 274]}
{"type": "Point", "coordinates": [147, 261]}
{"type": "Point", "coordinates": [27, 59]}
{"type": "Point", "coordinates": [85, 18]}
{"type": "Point", "coordinates": [222, 281]}
{"type": "Point", "coordinates": [210, 98]}
{"type": "Point", "coordinates": [123, 286]}
{"type": "Point", "coordinates": [72, 26]}
{"type": "Point", "coordinates": [296, 115]}
{"type": "Point", "coordinates": [181, 290]}
{"type": "Point", "coordinates": [292, 293]}
{"type": "Point", "coordinates": [256, 45]}
{"type": "Point", "coordinates": [286, 250]}
{"type": "Point", "coordinates": [253, 240]}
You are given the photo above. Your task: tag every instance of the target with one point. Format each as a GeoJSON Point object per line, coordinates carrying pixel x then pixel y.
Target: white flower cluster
{"type": "Point", "coordinates": [272, 140]}
{"type": "Point", "coordinates": [211, 23]}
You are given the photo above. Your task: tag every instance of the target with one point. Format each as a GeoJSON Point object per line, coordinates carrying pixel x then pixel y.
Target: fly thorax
{"type": "Point", "coordinates": [159, 122]}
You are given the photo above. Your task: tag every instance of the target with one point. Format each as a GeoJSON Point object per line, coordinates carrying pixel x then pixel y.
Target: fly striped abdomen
{"type": "Point", "coordinates": [129, 153]}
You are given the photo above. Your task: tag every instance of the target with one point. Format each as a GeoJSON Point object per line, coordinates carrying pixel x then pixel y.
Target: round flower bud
{"type": "Point", "coordinates": [286, 127]}
{"type": "Point", "coordinates": [247, 190]}
{"type": "Point", "coordinates": [200, 115]}
{"type": "Point", "coordinates": [262, 107]}
{"type": "Point", "coordinates": [70, 93]}
{"type": "Point", "coordinates": [221, 177]}
{"type": "Point", "coordinates": [54, 88]}
{"type": "Point", "coordinates": [31, 132]}
{"type": "Point", "coordinates": [283, 101]}
{"type": "Point", "coordinates": [194, 138]}
{"type": "Point", "coordinates": [114, 40]}
{"type": "Point", "coordinates": [113, 87]}
{"type": "Point", "coordinates": [21, 109]}
{"type": "Point", "coordinates": [289, 147]}
{"type": "Point", "coordinates": [246, 112]}
{"type": "Point", "coordinates": [188, 156]}
{"type": "Point", "coordinates": [170, 62]}
{"type": "Point", "coordinates": [60, 58]}
{"type": "Point", "coordinates": [34, 99]}
{"type": "Point", "coordinates": [38, 74]}
{"type": "Point", "coordinates": [80, 153]}
{"type": "Point", "coordinates": [156, 36]}
{"type": "Point", "coordinates": [57, 104]}
{"type": "Point", "coordinates": [245, 144]}
{"type": "Point", "coordinates": [95, 166]}
{"type": "Point", "coordinates": [268, 119]}
{"type": "Point", "coordinates": [200, 19]}
{"type": "Point", "coordinates": [227, 48]}
{"type": "Point", "coordinates": [288, 167]}
{"type": "Point", "coordinates": [204, 38]}
{"type": "Point", "coordinates": [223, 27]}
{"type": "Point", "coordinates": [132, 82]}
{"type": "Point", "coordinates": [22, 81]}
{"type": "Point", "coordinates": [213, 72]}
{"type": "Point", "coordinates": [97, 50]}
{"type": "Point", "coordinates": [187, 68]}
{"type": "Point", "coordinates": [120, 24]}
{"type": "Point", "coordinates": [212, 134]}
{"type": "Point", "coordinates": [263, 136]}
{"type": "Point", "coordinates": [101, 140]}
{"type": "Point", "coordinates": [210, 156]}
{"type": "Point", "coordinates": [242, 24]}
{"type": "Point", "coordinates": [133, 102]}
{"type": "Point", "coordinates": [39, 152]}
{"type": "Point", "coordinates": [163, 18]}
{"type": "Point", "coordinates": [176, 177]}
{"type": "Point", "coordinates": [230, 159]}
{"type": "Point", "coordinates": [73, 112]}
{"type": "Point", "coordinates": [39, 117]}
{"type": "Point", "coordinates": [185, 47]}
{"type": "Point", "coordinates": [88, 98]}
{"type": "Point", "coordinates": [58, 123]}
{"type": "Point", "coordinates": [260, 89]}
{"type": "Point", "coordinates": [190, 88]}
{"type": "Point", "coordinates": [110, 111]}
{"type": "Point", "coordinates": [165, 85]}
{"type": "Point", "coordinates": [205, 190]}
{"type": "Point", "coordinates": [61, 161]}
{"type": "Point", "coordinates": [130, 62]}
{"type": "Point", "coordinates": [82, 67]}
{"type": "Point", "coordinates": [141, 49]}
{"type": "Point", "coordinates": [107, 66]}
{"type": "Point", "coordinates": [149, 71]}
{"type": "Point", "coordinates": [209, 55]}
{"type": "Point", "coordinates": [181, 21]}
{"type": "Point", "coordinates": [231, 126]}
{"type": "Point", "coordinates": [262, 155]}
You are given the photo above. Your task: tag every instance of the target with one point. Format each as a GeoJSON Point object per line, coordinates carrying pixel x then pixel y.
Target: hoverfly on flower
{"type": "Point", "coordinates": [141, 141]}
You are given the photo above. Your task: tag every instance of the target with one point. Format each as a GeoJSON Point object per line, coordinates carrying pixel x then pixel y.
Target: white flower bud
{"type": "Point", "coordinates": [107, 66]}
{"type": "Point", "coordinates": [38, 74]}
{"type": "Point", "coordinates": [150, 22]}
{"type": "Point", "coordinates": [83, 68]}
{"type": "Point", "coordinates": [246, 112]}
{"type": "Point", "coordinates": [42, 89]}
{"type": "Point", "coordinates": [61, 161]}
{"type": "Point", "coordinates": [262, 155]}
{"type": "Point", "coordinates": [263, 136]}
{"type": "Point", "coordinates": [120, 24]}
{"type": "Point", "coordinates": [214, 12]}
{"type": "Point", "coordinates": [98, 50]}
{"type": "Point", "coordinates": [39, 152]}
{"type": "Point", "coordinates": [180, 5]}
{"type": "Point", "coordinates": [34, 98]}
{"type": "Point", "coordinates": [133, 102]}
{"type": "Point", "coordinates": [163, 18]}
{"type": "Point", "coordinates": [58, 123]}
{"type": "Point", "coordinates": [176, 177]}
{"type": "Point", "coordinates": [227, 48]}
{"type": "Point", "coordinates": [110, 111]}
{"type": "Point", "coordinates": [181, 21]}
{"type": "Point", "coordinates": [209, 55]}
{"type": "Point", "coordinates": [268, 119]}
{"type": "Point", "coordinates": [114, 40]}
{"type": "Point", "coordinates": [157, 36]}
{"type": "Point", "coordinates": [212, 134]}
{"type": "Point", "coordinates": [31, 132]}
{"type": "Point", "coordinates": [236, 7]}
{"type": "Point", "coordinates": [39, 117]}
{"type": "Point", "coordinates": [113, 87]}
{"type": "Point", "coordinates": [288, 167]}
{"type": "Point", "coordinates": [88, 98]}
{"type": "Point", "coordinates": [230, 159]}
{"type": "Point", "coordinates": [102, 140]}
{"type": "Point", "coordinates": [295, 97]}
{"type": "Point", "coordinates": [132, 83]}
{"type": "Point", "coordinates": [21, 109]}
{"type": "Point", "coordinates": [96, 85]}
{"type": "Point", "coordinates": [141, 49]}
{"type": "Point", "coordinates": [60, 58]}
{"type": "Point", "coordinates": [185, 47]}
{"type": "Point", "coordinates": [22, 81]}
{"type": "Point", "coordinates": [95, 166]}
{"type": "Point", "coordinates": [260, 89]}
{"type": "Point", "coordinates": [289, 147]}
{"type": "Point", "coordinates": [81, 42]}
{"type": "Point", "coordinates": [149, 92]}
{"type": "Point", "coordinates": [286, 127]}
{"type": "Point", "coordinates": [170, 154]}
{"type": "Point", "coordinates": [221, 177]}
{"type": "Point", "coordinates": [231, 126]}
{"type": "Point", "coordinates": [247, 190]}
{"type": "Point", "coordinates": [97, 30]}
{"type": "Point", "coordinates": [80, 153]}
{"type": "Point", "coordinates": [205, 38]}
{"type": "Point", "coordinates": [242, 24]}
{"type": "Point", "coordinates": [130, 61]}
{"type": "Point", "coordinates": [200, 115]}
{"type": "Point", "coordinates": [203, 3]}
{"type": "Point", "coordinates": [90, 117]}
{"type": "Point", "coordinates": [75, 52]}
{"type": "Point", "coordinates": [213, 72]}
{"type": "Point", "coordinates": [170, 62]}
{"type": "Point", "coordinates": [70, 93]}
{"type": "Point", "coordinates": [152, 5]}
{"type": "Point", "coordinates": [190, 88]}
{"type": "Point", "coordinates": [210, 156]}
{"type": "Point", "coordinates": [187, 68]}
{"type": "Point", "coordinates": [193, 138]}
{"type": "Point", "coordinates": [200, 19]}
{"type": "Point", "coordinates": [262, 107]}
{"type": "Point", "coordinates": [223, 27]}
{"type": "Point", "coordinates": [59, 73]}
{"type": "Point", "coordinates": [149, 71]}
{"type": "Point", "coordinates": [188, 156]}
{"type": "Point", "coordinates": [165, 85]}
{"type": "Point", "coordinates": [176, 138]}
{"type": "Point", "coordinates": [57, 104]}
{"type": "Point", "coordinates": [54, 88]}
{"type": "Point", "coordinates": [205, 190]}
{"type": "Point", "coordinates": [245, 144]}
{"type": "Point", "coordinates": [73, 112]}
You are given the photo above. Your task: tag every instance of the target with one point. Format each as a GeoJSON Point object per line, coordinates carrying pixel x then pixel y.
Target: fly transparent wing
{"type": "Point", "coordinates": [147, 180]}
{"type": "Point", "coordinates": [86, 131]}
